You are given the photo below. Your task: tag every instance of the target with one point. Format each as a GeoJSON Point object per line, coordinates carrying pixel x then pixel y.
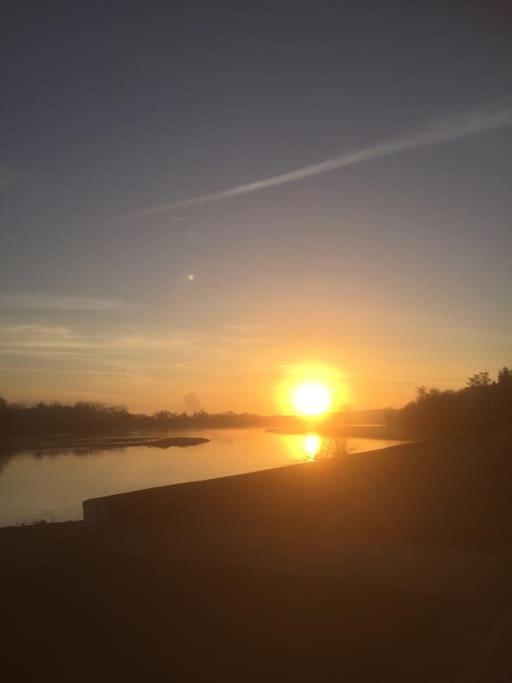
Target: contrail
{"type": "Point", "coordinates": [445, 131]}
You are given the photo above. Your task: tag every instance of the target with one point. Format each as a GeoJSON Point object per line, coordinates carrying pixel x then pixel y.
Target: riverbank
{"type": "Point", "coordinates": [79, 445]}
{"type": "Point", "coordinates": [63, 477]}
{"type": "Point", "coordinates": [388, 566]}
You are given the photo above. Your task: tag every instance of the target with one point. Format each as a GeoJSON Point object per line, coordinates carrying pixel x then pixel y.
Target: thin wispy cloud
{"type": "Point", "coordinates": [36, 329]}
{"type": "Point", "coordinates": [438, 132]}
{"type": "Point", "coordinates": [169, 346]}
{"type": "Point", "coordinates": [35, 338]}
{"type": "Point", "coordinates": [64, 371]}
{"type": "Point", "coordinates": [61, 303]}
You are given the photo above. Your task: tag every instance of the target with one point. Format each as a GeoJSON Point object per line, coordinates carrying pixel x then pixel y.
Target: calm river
{"type": "Point", "coordinates": [51, 484]}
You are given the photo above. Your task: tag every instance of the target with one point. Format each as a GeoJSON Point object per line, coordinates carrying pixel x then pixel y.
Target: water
{"type": "Point", "coordinates": [51, 485]}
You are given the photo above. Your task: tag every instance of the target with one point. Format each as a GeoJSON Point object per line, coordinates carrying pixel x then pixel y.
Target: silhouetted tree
{"type": "Point", "coordinates": [479, 379]}
{"type": "Point", "coordinates": [483, 404]}
{"type": "Point", "coordinates": [505, 378]}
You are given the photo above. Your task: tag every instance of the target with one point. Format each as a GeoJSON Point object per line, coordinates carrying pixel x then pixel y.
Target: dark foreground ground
{"type": "Point", "coordinates": [391, 566]}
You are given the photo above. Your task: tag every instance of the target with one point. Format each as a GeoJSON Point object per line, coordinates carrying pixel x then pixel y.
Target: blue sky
{"type": "Point", "coordinates": [396, 272]}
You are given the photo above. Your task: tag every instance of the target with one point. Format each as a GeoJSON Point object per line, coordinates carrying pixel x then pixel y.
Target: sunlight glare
{"type": "Point", "coordinates": [312, 398]}
{"type": "Point", "coordinates": [312, 445]}
{"type": "Point", "coordinates": [311, 390]}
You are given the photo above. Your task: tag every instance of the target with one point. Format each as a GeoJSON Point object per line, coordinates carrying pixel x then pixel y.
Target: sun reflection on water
{"type": "Point", "coordinates": [311, 444]}
{"type": "Point", "coordinates": [303, 447]}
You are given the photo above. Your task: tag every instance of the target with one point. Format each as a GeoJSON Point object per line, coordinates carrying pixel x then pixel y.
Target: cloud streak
{"type": "Point", "coordinates": [61, 303]}
{"type": "Point", "coordinates": [443, 131]}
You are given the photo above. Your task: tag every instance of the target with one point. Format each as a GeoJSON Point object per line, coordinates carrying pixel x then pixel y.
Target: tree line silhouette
{"type": "Point", "coordinates": [18, 419]}
{"type": "Point", "coordinates": [483, 404]}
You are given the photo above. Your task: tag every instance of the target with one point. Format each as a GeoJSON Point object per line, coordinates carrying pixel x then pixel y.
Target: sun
{"type": "Point", "coordinates": [311, 390]}
{"type": "Point", "coordinates": [312, 398]}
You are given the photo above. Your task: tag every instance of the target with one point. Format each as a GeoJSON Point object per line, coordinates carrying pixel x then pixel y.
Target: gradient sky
{"type": "Point", "coordinates": [396, 272]}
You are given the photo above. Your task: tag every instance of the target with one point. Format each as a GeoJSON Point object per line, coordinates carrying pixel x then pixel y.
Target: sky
{"type": "Point", "coordinates": [200, 198]}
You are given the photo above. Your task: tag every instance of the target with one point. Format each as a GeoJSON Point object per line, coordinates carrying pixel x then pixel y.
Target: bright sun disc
{"type": "Point", "coordinates": [312, 398]}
